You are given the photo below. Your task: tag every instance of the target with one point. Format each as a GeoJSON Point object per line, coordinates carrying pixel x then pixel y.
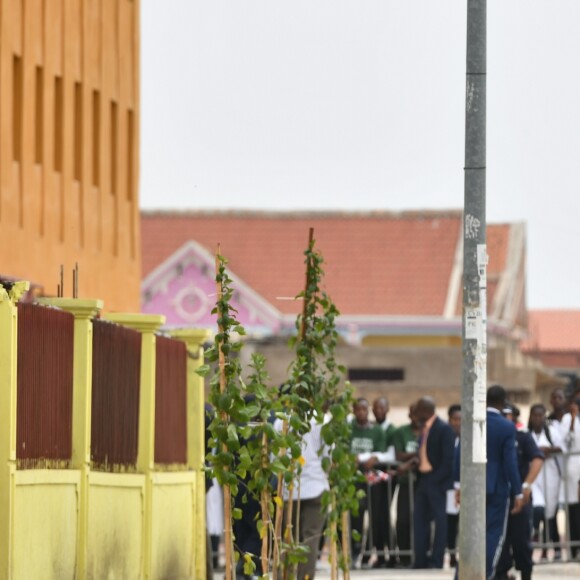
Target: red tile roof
{"type": "Point", "coordinates": [553, 331]}
{"type": "Point", "coordinates": [376, 263]}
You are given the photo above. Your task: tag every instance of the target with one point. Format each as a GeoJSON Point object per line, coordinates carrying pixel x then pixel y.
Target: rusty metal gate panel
{"type": "Point", "coordinates": [44, 387]}
{"type": "Point", "coordinates": [115, 396]}
{"type": "Point", "coordinates": [170, 401]}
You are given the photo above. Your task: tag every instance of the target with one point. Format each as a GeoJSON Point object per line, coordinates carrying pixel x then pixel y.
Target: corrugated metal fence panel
{"type": "Point", "coordinates": [115, 407]}
{"type": "Point", "coordinates": [170, 401]}
{"type": "Point", "coordinates": [45, 386]}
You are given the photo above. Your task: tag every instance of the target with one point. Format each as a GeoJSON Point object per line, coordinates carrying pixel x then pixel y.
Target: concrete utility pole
{"type": "Point", "coordinates": [473, 395]}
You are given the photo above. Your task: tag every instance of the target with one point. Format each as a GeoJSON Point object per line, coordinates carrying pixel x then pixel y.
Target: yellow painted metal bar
{"type": "Point", "coordinates": [147, 325]}
{"type": "Point", "coordinates": [83, 311]}
{"type": "Point", "coordinates": [194, 340]}
{"type": "Point", "coordinates": [8, 366]}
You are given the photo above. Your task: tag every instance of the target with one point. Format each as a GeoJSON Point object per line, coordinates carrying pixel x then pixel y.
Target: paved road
{"type": "Point", "coordinates": [540, 571]}
{"type": "Point", "coordinates": [554, 571]}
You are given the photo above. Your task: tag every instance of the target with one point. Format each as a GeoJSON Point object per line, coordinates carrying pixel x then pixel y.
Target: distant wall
{"type": "Point", "coordinates": [425, 370]}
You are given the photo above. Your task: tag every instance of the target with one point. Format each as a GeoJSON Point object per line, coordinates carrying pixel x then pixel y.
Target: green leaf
{"type": "Point", "coordinates": [203, 370]}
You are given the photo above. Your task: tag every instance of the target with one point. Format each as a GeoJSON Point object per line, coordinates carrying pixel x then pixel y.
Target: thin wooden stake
{"type": "Point", "coordinates": [304, 303]}
{"type": "Point", "coordinates": [61, 280]}
{"type": "Point", "coordinates": [266, 521]}
{"type": "Point", "coordinates": [346, 544]}
{"type": "Point", "coordinates": [228, 531]}
{"type": "Point", "coordinates": [289, 509]}
{"type": "Point", "coordinates": [279, 512]}
{"type": "Point", "coordinates": [290, 505]}
{"type": "Point", "coordinates": [333, 545]}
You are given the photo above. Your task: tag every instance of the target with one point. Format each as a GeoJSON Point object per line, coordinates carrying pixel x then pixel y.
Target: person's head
{"type": "Point", "coordinates": [558, 401]}
{"type": "Point", "coordinates": [575, 403]}
{"type": "Point", "coordinates": [537, 418]}
{"type": "Point", "coordinates": [454, 414]}
{"type": "Point", "coordinates": [425, 410]}
{"type": "Point", "coordinates": [508, 412]}
{"type": "Point", "coordinates": [413, 414]}
{"type": "Point", "coordinates": [380, 409]}
{"type": "Point", "coordinates": [496, 397]}
{"type": "Point", "coordinates": [361, 411]}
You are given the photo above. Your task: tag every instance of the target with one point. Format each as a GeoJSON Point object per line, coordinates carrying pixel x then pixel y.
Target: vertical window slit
{"type": "Point", "coordinates": [58, 123]}
{"type": "Point", "coordinates": [39, 116]}
{"type": "Point", "coordinates": [114, 140]}
{"type": "Point", "coordinates": [17, 108]}
{"type": "Point", "coordinates": [78, 132]}
{"type": "Point", "coordinates": [96, 138]}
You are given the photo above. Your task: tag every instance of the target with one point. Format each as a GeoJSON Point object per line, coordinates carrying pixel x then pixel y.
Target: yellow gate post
{"type": "Point", "coordinates": [194, 340]}
{"type": "Point", "coordinates": [147, 325]}
{"type": "Point", "coordinates": [8, 365]}
{"type": "Point", "coordinates": [83, 311]}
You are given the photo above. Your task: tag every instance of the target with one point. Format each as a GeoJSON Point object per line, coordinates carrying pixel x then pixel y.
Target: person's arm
{"type": "Point", "coordinates": [404, 456]}
{"type": "Point", "coordinates": [510, 466]}
{"type": "Point", "coordinates": [535, 468]}
{"type": "Point", "coordinates": [407, 466]}
{"type": "Point", "coordinates": [444, 470]}
{"type": "Point", "coordinates": [400, 443]}
{"type": "Point", "coordinates": [550, 450]}
{"type": "Point", "coordinates": [382, 451]}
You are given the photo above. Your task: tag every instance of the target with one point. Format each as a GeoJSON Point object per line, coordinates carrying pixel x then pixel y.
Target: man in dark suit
{"type": "Point", "coordinates": [502, 477]}
{"type": "Point", "coordinates": [434, 478]}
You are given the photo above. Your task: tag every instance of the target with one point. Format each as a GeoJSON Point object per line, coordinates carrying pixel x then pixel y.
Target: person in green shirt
{"type": "Point", "coordinates": [382, 491]}
{"type": "Point", "coordinates": [406, 442]}
{"type": "Point", "coordinates": [366, 438]}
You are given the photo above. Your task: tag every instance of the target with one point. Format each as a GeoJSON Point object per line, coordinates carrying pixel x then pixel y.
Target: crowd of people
{"type": "Point", "coordinates": [532, 472]}
{"type": "Point", "coordinates": [412, 498]}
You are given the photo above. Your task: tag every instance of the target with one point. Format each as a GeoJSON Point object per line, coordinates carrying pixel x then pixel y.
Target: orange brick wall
{"type": "Point", "coordinates": [69, 123]}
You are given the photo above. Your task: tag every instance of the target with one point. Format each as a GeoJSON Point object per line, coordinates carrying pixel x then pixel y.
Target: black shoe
{"type": "Point", "coordinates": [380, 563]}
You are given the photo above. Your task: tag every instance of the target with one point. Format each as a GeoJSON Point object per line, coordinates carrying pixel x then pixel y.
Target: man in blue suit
{"type": "Point", "coordinates": [502, 476]}
{"type": "Point", "coordinates": [434, 478]}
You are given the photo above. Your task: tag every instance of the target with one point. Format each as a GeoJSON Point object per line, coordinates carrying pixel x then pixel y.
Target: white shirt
{"type": "Point", "coordinates": [546, 487]}
{"type": "Point", "coordinates": [313, 481]}
{"type": "Point", "coordinates": [571, 462]}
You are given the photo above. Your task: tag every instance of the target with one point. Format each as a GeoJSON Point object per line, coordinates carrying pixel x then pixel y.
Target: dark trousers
{"type": "Point", "coordinates": [430, 500]}
{"type": "Point", "coordinates": [549, 527]}
{"type": "Point", "coordinates": [574, 517]}
{"type": "Point", "coordinates": [311, 525]}
{"type": "Point", "coordinates": [496, 514]}
{"type": "Point", "coordinates": [381, 494]}
{"type": "Point", "coordinates": [554, 533]}
{"type": "Point", "coordinates": [404, 521]}
{"type": "Point", "coordinates": [245, 530]}
{"type": "Point", "coordinates": [518, 543]}
{"type": "Point", "coordinates": [452, 529]}
{"type": "Point", "coordinates": [356, 525]}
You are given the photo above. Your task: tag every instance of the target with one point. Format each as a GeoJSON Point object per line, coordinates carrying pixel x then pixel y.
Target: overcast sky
{"type": "Point", "coordinates": [360, 104]}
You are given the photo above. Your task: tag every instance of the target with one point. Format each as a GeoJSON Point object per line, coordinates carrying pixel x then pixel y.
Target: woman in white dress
{"type": "Point", "coordinates": [571, 432]}
{"type": "Point", "coordinates": [546, 487]}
